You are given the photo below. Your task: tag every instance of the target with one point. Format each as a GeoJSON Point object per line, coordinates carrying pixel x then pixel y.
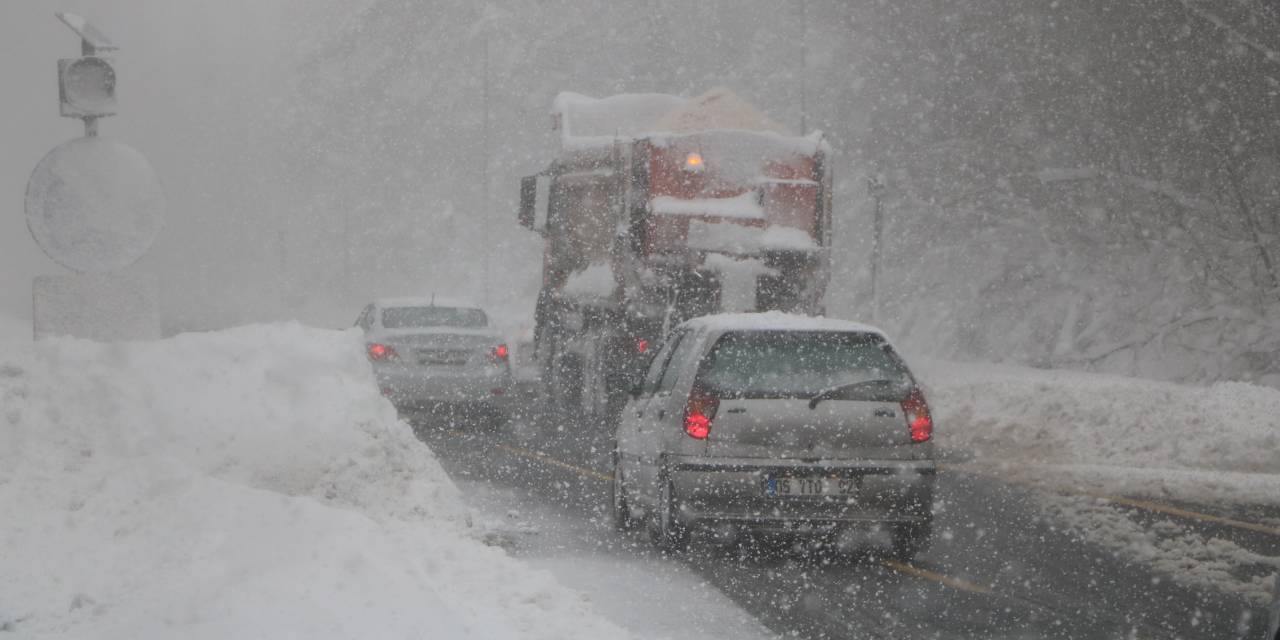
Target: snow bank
{"type": "Point", "coordinates": [1171, 548]}
{"type": "Point", "coordinates": [243, 483]}
{"type": "Point", "coordinates": [1128, 433]}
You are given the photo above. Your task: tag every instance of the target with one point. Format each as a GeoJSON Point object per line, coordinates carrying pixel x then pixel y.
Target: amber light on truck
{"type": "Point", "coordinates": [693, 162]}
{"type": "Point", "coordinates": [919, 421]}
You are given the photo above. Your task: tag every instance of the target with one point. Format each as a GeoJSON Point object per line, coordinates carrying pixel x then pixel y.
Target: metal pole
{"type": "Point", "coordinates": [346, 254]}
{"type": "Point", "coordinates": [484, 168]}
{"type": "Point", "coordinates": [804, 54]}
{"type": "Point", "coordinates": [90, 123]}
{"type": "Point", "coordinates": [875, 187]}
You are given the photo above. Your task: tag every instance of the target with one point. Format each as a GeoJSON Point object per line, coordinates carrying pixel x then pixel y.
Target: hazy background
{"type": "Point", "coordinates": [1088, 184]}
{"type": "Point", "coordinates": [199, 84]}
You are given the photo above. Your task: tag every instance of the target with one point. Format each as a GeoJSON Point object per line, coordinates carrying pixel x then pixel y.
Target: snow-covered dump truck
{"type": "Point", "coordinates": [657, 209]}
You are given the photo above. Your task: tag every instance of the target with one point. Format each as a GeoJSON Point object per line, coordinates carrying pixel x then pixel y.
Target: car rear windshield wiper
{"type": "Point", "coordinates": [831, 392]}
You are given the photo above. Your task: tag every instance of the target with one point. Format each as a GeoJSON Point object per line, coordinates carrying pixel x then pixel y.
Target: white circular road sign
{"type": "Point", "coordinates": [94, 205]}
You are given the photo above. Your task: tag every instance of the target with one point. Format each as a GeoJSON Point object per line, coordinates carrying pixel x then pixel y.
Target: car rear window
{"type": "Point", "coordinates": [424, 317]}
{"type": "Point", "coordinates": [799, 364]}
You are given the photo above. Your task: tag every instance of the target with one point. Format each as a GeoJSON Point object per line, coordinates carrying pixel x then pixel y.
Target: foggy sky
{"type": "Point", "coordinates": [196, 83]}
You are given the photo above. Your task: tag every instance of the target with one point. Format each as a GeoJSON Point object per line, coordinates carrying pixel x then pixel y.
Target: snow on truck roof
{"type": "Point", "coordinates": [624, 115]}
{"type": "Point", "coordinates": [777, 321]}
{"type": "Point", "coordinates": [586, 122]}
{"type": "Point", "coordinates": [718, 108]}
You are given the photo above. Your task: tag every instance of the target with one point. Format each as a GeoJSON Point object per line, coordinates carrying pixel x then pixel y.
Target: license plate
{"type": "Point", "coordinates": [441, 357]}
{"type": "Point", "coordinates": [809, 486]}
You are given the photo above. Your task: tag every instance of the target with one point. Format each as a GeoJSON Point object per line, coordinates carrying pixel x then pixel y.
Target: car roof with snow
{"type": "Point", "coordinates": [776, 321]}
{"type": "Point", "coordinates": [433, 301]}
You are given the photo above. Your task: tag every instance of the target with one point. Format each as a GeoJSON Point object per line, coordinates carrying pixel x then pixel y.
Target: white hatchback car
{"type": "Point", "coordinates": [427, 354]}
{"type": "Point", "coordinates": [775, 423]}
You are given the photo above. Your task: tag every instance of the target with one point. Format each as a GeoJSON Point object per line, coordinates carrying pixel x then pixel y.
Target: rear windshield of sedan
{"type": "Point", "coordinates": [425, 317]}
{"type": "Point", "coordinates": [799, 364]}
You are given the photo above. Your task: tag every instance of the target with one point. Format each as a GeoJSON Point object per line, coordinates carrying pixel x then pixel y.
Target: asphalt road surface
{"type": "Point", "coordinates": [998, 567]}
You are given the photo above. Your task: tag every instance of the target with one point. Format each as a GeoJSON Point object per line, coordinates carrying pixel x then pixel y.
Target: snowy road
{"type": "Point", "coordinates": [1003, 564]}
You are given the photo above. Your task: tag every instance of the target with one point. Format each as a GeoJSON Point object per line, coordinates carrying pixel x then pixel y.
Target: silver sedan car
{"type": "Point", "coordinates": [774, 423]}
{"type": "Point", "coordinates": [430, 355]}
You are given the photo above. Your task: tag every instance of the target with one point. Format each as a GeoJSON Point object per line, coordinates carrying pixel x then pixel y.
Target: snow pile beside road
{"type": "Point", "coordinates": [1187, 556]}
{"type": "Point", "coordinates": [243, 483]}
{"type": "Point", "coordinates": [1129, 431]}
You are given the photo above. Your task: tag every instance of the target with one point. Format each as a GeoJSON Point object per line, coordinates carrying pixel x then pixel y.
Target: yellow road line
{"type": "Point", "coordinates": [954, 583]}
{"type": "Point", "coordinates": [542, 457]}
{"type": "Point", "coordinates": [1179, 512]}
{"type": "Point", "coordinates": [1146, 505]}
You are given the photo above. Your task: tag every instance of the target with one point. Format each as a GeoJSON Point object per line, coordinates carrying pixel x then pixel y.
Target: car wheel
{"type": "Point", "coordinates": [619, 510]}
{"type": "Point", "coordinates": [665, 529]}
{"type": "Point", "coordinates": [911, 539]}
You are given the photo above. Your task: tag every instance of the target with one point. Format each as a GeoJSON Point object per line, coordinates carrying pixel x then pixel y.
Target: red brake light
{"type": "Point", "coordinates": [642, 345]}
{"type": "Point", "coordinates": [919, 421]}
{"type": "Point", "coordinates": [699, 411]}
{"type": "Point", "coordinates": [498, 354]}
{"type": "Point", "coordinates": [379, 351]}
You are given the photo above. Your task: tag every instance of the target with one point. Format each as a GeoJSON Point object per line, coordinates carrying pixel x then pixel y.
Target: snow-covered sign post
{"type": "Point", "coordinates": [95, 206]}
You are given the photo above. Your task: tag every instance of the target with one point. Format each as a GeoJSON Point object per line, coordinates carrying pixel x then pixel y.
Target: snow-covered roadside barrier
{"type": "Point", "coordinates": [1126, 435]}
{"type": "Point", "coordinates": [244, 483]}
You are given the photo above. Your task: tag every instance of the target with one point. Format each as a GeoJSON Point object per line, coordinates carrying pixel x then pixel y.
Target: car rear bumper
{"type": "Point", "coordinates": [409, 388]}
{"type": "Point", "coordinates": [733, 491]}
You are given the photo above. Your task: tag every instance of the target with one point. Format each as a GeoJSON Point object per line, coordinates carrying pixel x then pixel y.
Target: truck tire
{"type": "Point", "coordinates": [568, 383]}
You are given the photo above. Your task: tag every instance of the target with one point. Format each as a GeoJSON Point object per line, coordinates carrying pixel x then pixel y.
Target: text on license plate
{"type": "Point", "coordinates": [784, 486]}
{"type": "Point", "coordinates": [426, 357]}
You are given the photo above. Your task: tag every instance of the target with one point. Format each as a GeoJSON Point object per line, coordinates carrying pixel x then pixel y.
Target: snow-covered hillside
{"type": "Point", "coordinates": [245, 483]}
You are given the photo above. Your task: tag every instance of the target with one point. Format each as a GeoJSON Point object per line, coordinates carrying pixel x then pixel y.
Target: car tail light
{"type": "Point", "coordinates": [699, 411]}
{"type": "Point", "coordinates": [642, 345]}
{"type": "Point", "coordinates": [499, 354]}
{"type": "Point", "coordinates": [379, 351]}
{"type": "Point", "coordinates": [919, 421]}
